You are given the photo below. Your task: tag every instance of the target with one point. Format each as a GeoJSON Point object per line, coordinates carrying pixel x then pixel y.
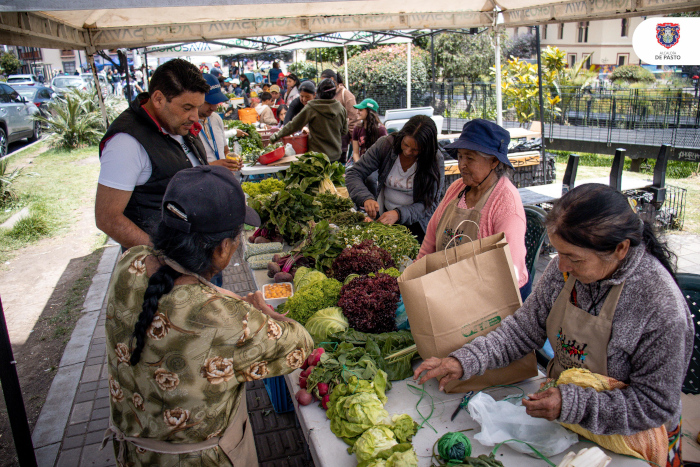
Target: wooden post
{"type": "Point", "coordinates": [616, 171]}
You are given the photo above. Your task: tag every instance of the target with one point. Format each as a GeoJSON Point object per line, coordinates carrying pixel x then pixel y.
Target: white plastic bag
{"type": "Point", "coordinates": [289, 150]}
{"type": "Point", "coordinates": [501, 420]}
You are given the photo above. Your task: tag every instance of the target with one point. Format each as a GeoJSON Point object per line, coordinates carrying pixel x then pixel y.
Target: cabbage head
{"type": "Point", "coordinates": [307, 278]}
{"type": "Point", "coordinates": [374, 441]}
{"type": "Point", "coordinates": [325, 322]}
{"type": "Point", "coordinates": [403, 459]}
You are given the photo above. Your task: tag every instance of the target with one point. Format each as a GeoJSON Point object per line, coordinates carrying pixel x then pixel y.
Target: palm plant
{"type": "Point", "coordinates": [7, 193]}
{"type": "Point", "coordinates": [76, 119]}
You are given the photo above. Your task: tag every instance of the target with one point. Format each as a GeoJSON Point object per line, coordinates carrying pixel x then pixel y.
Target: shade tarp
{"type": "Point", "coordinates": [134, 23]}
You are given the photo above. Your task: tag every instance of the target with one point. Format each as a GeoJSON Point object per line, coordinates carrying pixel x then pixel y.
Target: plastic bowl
{"type": "Point", "coordinates": [272, 156]}
{"type": "Point", "coordinates": [275, 302]}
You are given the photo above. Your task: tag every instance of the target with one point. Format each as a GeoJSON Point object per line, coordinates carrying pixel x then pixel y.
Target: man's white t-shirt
{"type": "Point", "coordinates": [125, 164]}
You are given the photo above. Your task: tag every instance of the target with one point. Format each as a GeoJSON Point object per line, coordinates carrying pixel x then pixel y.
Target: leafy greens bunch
{"type": "Point", "coordinates": [369, 303]}
{"type": "Point", "coordinates": [396, 239]}
{"type": "Point", "coordinates": [314, 173]}
{"type": "Point", "coordinates": [362, 258]}
{"type": "Point", "coordinates": [250, 143]}
{"type": "Point", "coordinates": [287, 212]}
{"type": "Point", "coordinates": [265, 187]}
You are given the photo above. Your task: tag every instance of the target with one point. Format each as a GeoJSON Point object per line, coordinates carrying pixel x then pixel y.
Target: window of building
{"type": "Point", "coordinates": [583, 31]}
{"type": "Point", "coordinates": [625, 27]}
{"type": "Point", "coordinates": [69, 68]}
{"type": "Point", "coordinates": [561, 30]}
{"type": "Point", "coordinates": [623, 59]}
{"type": "Point", "coordinates": [587, 63]}
{"type": "Point", "coordinates": [571, 59]}
{"type": "Point", "coordinates": [544, 31]}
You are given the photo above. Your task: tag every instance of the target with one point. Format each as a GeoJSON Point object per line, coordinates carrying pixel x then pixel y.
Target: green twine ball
{"type": "Point", "coordinates": [454, 447]}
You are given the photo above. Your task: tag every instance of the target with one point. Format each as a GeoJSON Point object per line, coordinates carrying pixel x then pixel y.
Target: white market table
{"type": "Point", "coordinates": [259, 169]}
{"type": "Point", "coordinates": [328, 450]}
{"type": "Point", "coordinates": [552, 192]}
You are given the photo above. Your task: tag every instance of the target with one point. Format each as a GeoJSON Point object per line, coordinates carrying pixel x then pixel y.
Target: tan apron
{"type": "Point", "coordinates": [579, 339]}
{"type": "Point", "coordinates": [449, 225]}
{"type": "Point", "coordinates": [236, 441]}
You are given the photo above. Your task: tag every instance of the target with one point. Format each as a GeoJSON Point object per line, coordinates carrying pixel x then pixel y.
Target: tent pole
{"type": "Point", "coordinates": [539, 82]}
{"type": "Point", "coordinates": [499, 97]}
{"type": "Point", "coordinates": [408, 75]}
{"type": "Point", "coordinates": [13, 399]}
{"type": "Point", "coordinates": [345, 61]}
{"type": "Point", "coordinates": [432, 61]}
{"type": "Point", "coordinates": [100, 97]}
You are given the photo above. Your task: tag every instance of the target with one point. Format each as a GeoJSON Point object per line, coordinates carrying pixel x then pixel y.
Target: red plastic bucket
{"type": "Point", "coordinates": [300, 143]}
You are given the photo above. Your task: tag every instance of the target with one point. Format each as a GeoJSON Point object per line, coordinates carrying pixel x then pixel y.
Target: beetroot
{"type": "Point", "coordinates": [322, 389]}
{"type": "Point", "coordinates": [303, 397]}
{"type": "Point", "coordinates": [261, 240]}
{"type": "Point", "coordinates": [283, 277]}
{"type": "Point", "coordinates": [325, 400]}
{"type": "Point", "coordinates": [302, 382]}
{"type": "Point", "coordinates": [273, 268]}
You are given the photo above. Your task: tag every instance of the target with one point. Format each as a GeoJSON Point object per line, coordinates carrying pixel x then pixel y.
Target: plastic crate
{"type": "Point", "coordinates": [279, 396]}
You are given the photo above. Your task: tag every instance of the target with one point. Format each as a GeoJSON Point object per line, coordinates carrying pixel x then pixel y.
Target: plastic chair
{"type": "Point", "coordinates": [535, 233]}
{"type": "Point", "coordinates": [690, 286]}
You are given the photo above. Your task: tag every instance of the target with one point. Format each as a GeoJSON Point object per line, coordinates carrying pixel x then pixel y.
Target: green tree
{"type": "Point", "coordinates": [632, 74]}
{"type": "Point", "coordinates": [9, 63]}
{"type": "Point", "coordinates": [462, 57]}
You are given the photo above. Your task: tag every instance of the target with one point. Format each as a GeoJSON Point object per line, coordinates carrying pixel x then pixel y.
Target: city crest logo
{"type": "Point", "coordinates": [668, 34]}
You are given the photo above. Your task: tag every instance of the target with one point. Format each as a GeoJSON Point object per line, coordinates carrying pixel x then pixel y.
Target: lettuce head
{"type": "Point", "coordinates": [373, 441]}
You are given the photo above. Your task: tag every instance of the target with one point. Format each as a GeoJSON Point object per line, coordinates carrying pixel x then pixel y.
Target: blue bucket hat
{"type": "Point", "coordinates": [215, 95]}
{"type": "Point", "coordinates": [484, 136]}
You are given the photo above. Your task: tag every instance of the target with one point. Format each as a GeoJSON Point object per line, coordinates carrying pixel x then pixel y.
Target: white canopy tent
{"type": "Point", "coordinates": [127, 23]}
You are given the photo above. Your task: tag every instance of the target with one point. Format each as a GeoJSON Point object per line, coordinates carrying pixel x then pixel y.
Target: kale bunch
{"type": "Point", "coordinates": [369, 303]}
{"type": "Point", "coordinates": [363, 258]}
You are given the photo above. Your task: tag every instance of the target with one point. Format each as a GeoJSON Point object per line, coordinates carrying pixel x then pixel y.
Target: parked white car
{"type": "Point", "coordinates": [16, 118]}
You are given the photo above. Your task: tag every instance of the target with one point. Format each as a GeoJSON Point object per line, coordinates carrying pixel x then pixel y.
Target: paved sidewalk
{"type": "Point", "coordinates": [71, 425]}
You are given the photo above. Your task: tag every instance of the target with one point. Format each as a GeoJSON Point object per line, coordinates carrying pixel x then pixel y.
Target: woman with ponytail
{"type": "Point", "coordinates": [608, 303]}
{"type": "Point", "coordinates": [368, 132]}
{"type": "Point", "coordinates": [179, 348]}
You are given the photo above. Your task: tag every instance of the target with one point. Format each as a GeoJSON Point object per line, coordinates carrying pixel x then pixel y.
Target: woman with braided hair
{"type": "Point", "coordinates": [179, 348]}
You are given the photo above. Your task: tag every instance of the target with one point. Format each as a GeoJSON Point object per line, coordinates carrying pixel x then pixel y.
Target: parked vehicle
{"type": "Point", "coordinates": [64, 83]}
{"type": "Point", "coordinates": [104, 86]}
{"type": "Point", "coordinates": [29, 80]}
{"type": "Point", "coordinates": [41, 96]}
{"type": "Point", "coordinates": [16, 118]}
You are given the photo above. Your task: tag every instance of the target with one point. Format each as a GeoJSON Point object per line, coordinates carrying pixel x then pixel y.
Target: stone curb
{"type": "Point", "coordinates": [50, 427]}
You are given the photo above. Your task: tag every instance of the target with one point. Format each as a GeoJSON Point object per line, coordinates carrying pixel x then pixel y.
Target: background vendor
{"type": "Point", "coordinates": [411, 176]}
{"type": "Point", "coordinates": [483, 195]}
{"type": "Point", "coordinates": [609, 303]}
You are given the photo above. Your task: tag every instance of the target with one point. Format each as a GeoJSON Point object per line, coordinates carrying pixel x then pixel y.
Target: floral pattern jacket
{"type": "Point", "coordinates": [201, 348]}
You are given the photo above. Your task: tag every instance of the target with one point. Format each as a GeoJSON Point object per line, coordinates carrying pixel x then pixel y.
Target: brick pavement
{"type": "Point", "coordinates": [279, 440]}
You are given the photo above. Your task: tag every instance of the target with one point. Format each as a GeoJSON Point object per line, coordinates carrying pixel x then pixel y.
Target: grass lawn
{"type": "Point", "coordinates": [54, 185]}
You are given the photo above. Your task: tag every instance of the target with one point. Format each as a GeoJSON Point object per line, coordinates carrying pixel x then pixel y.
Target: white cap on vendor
{"type": "Point", "coordinates": [215, 95]}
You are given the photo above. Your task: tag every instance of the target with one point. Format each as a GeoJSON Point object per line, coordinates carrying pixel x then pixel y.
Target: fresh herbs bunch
{"type": "Point", "coordinates": [314, 173]}
{"type": "Point", "coordinates": [347, 218]}
{"type": "Point", "coordinates": [250, 143]}
{"type": "Point", "coordinates": [332, 204]}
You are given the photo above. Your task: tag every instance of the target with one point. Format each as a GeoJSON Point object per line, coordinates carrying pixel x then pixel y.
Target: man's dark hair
{"type": "Point", "coordinates": [265, 84]}
{"type": "Point", "coordinates": [326, 89]}
{"type": "Point", "coordinates": [265, 96]}
{"type": "Point", "coordinates": [175, 77]}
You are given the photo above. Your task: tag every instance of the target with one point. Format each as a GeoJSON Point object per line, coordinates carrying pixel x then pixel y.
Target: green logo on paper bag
{"type": "Point", "coordinates": [482, 325]}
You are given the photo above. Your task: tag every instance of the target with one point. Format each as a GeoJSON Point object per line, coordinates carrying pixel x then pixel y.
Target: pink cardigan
{"type": "Point", "coordinates": [503, 212]}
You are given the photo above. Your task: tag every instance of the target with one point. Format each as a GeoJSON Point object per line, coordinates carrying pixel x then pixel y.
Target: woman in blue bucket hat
{"type": "Point", "coordinates": [484, 195]}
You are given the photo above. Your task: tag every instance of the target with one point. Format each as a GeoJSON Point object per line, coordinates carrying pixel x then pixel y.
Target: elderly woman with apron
{"type": "Point", "coordinates": [180, 349]}
{"type": "Point", "coordinates": [483, 195]}
{"type": "Point", "coordinates": [609, 303]}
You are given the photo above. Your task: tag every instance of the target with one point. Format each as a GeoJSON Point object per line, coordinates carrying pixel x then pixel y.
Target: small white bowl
{"type": "Point", "coordinates": [275, 302]}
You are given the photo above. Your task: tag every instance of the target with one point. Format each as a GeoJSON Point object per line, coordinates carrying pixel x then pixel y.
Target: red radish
{"type": "Point", "coordinates": [303, 397]}
{"type": "Point", "coordinates": [305, 365]}
{"type": "Point", "coordinates": [322, 389]}
{"type": "Point", "coordinates": [302, 382]}
{"type": "Point", "coordinates": [325, 400]}
{"type": "Point", "coordinates": [307, 372]}
{"type": "Point", "coordinates": [315, 356]}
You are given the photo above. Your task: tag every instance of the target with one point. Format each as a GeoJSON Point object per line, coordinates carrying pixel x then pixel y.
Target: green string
{"type": "Point", "coordinates": [422, 392]}
{"type": "Point", "coordinates": [333, 345]}
{"type": "Point", "coordinates": [539, 454]}
{"type": "Point", "coordinates": [348, 370]}
{"type": "Point", "coordinates": [454, 447]}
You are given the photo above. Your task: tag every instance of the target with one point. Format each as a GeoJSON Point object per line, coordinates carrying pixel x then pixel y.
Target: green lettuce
{"type": "Point", "coordinates": [325, 322]}
{"type": "Point", "coordinates": [373, 441]}
{"type": "Point", "coordinates": [364, 408]}
{"type": "Point", "coordinates": [308, 277]}
{"type": "Point", "coordinates": [403, 427]}
{"type": "Point", "coordinates": [403, 459]}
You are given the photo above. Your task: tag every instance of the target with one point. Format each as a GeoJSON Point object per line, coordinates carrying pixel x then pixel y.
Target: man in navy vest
{"type": "Point", "coordinates": [153, 139]}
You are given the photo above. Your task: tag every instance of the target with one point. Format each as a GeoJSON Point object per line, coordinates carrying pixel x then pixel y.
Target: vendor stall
{"type": "Point", "coordinates": [404, 398]}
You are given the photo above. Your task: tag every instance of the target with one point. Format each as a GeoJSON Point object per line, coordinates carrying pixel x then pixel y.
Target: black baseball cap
{"type": "Point", "coordinates": [206, 199]}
